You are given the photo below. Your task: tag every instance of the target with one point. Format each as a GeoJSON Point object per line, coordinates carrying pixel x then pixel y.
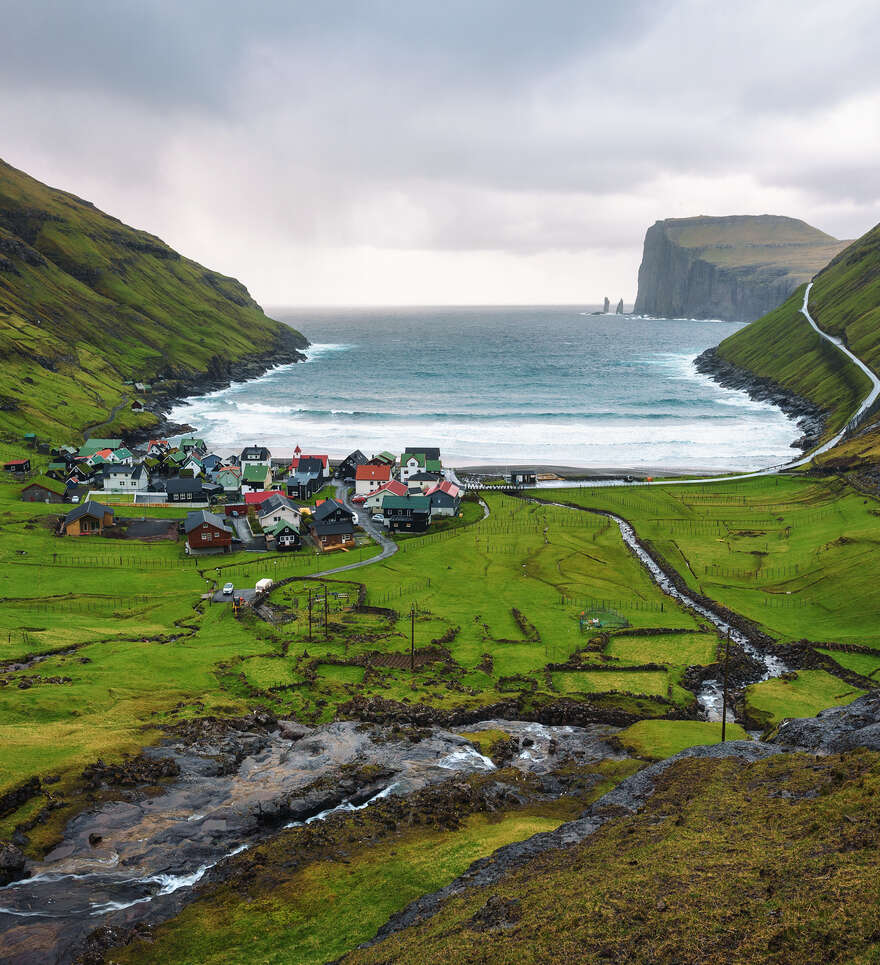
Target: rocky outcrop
{"type": "Point", "coordinates": [811, 419]}
{"type": "Point", "coordinates": [734, 268]}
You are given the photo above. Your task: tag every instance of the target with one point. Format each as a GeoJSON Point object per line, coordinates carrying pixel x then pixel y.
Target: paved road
{"type": "Point", "coordinates": [854, 420]}
{"type": "Point", "coordinates": [373, 530]}
{"type": "Point", "coordinates": [246, 594]}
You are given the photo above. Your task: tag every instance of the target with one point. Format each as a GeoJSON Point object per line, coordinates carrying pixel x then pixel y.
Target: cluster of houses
{"type": "Point", "coordinates": [249, 497]}
{"type": "Point", "coordinates": [408, 494]}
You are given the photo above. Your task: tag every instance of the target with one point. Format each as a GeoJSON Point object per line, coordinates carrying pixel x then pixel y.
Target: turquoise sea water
{"type": "Point", "coordinates": [550, 385]}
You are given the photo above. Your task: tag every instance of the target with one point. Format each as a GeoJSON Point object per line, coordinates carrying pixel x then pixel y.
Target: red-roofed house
{"type": "Point", "coordinates": [445, 499]}
{"type": "Point", "coordinates": [260, 496]}
{"type": "Point", "coordinates": [298, 454]}
{"type": "Point", "coordinates": [367, 479]}
{"type": "Point", "coordinates": [393, 487]}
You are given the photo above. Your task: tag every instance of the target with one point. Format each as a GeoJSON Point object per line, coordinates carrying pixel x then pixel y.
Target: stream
{"type": "Point", "coordinates": [709, 696]}
{"type": "Point", "coordinates": [138, 858]}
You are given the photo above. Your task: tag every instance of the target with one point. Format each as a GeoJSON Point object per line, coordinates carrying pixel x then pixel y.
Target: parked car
{"type": "Point", "coordinates": [228, 589]}
{"type": "Point", "coordinates": [378, 518]}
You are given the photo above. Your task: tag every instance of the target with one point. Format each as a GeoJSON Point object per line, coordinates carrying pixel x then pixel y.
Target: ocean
{"type": "Point", "coordinates": [502, 386]}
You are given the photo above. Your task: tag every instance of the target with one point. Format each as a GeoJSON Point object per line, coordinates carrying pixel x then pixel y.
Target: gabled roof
{"type": "Point", "coordinates": [326, 507]}
{"type": "Point", "coordinates": [445, 487]}
{"type": "Point", "coordinates": [373, 473]}
{"type": "Point", "coordinates": [279, 527]}
{"type": "Point", "coordinates": [275, 502]}
{"type": "Point", "coordinates": [420, 504]}
{"type": "Point", "coordinates": [255, 454]}
{"type": "Point", "coordinates": [422, 476]}
{"type": "Point", "coordinates": [235, 470]}
{"type": "Point", "coordinates": [255, 472]}
{"type": "Point", "coordinates": [123, 453]}
{"type": "Point", "coordinates": [298, 459]}
{"type": "Point", "coordinates": [429, 452]}
{"type": "Point", "coordinates": [189, 442]}
{"type": "Point", "coordinates": [394, 486]}
{"type": "Point", "coordinates": [200, 516]}
{"type": "Point", "coordinates": [181, 484]}
{"type": "Point", "coordinates": [91, 446]}
{"type": "Point", "coordinates": [256, 499]}
{"type": "Point", "coordinates": [90, 508]}
{"type": "Point", "coordinates": [44, 482]}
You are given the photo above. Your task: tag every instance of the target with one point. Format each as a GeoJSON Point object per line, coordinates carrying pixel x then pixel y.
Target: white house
{"type": "Point", "coordinates": [127, 479]}
{"type": "Point", "coordinates": [278, 509]}
{"type": "Point", "coordinates": [367, 478]}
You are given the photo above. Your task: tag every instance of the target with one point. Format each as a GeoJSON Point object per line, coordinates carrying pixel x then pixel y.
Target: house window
{"type": "Point", "coordinates": [204, 535]}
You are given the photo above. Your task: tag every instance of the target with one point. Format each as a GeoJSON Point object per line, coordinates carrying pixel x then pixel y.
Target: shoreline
{"type": "Point", "coordinates": [288, 350]}
{"type": "Point", "coordinates": [809, 417]}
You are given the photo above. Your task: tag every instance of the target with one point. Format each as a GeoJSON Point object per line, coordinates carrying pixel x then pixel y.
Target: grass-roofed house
{"type": "Point", "coordinates": [44, 490]}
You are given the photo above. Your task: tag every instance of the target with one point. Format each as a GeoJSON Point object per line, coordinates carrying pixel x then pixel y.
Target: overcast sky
{"type": "Point", "coordinates": [465, 151]}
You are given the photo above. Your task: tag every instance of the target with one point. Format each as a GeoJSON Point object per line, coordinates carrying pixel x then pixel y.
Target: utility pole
{"type": "Point", "coordinates": [310, 616]}
{"type": "Point", "coordinates": [412, 637]}
{"type": "Point", "coordinates": [326, 623]}
{"type": "Point", "coordinates": [724, 689]}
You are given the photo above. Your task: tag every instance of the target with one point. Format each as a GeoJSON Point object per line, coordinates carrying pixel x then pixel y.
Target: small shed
{"type": "Point", "coordinates": [18, 467]}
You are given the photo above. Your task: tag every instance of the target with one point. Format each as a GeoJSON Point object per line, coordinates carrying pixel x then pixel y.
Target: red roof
{"type": "Point", "coordinates": [17, 462]}
{"type": "Point", "coordinates": [445, 487]}
{"type": "Point", "coordinates": [255, 499]}
{"type": "Point", "coordinates": [373, 473]}
{"type": "Point", "coordinates": [294, 463]}
{"type": "Point", "coordinates": [393, 486]}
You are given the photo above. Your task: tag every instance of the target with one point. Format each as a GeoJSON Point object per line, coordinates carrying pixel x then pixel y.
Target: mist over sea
{"type": "Point", "coordinates": [549, 385]}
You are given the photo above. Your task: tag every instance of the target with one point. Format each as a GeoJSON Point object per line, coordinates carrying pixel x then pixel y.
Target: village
{"type": "Point", "coordinates": [251, 500]}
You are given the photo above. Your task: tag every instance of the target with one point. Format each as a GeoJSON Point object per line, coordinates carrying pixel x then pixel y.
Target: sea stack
{"type": "Point", "coordinates": [607, 307]}
{"type": "Point", "coordinates": [620, 307]}
{"type": "Point", "coordinates": [735, 268]}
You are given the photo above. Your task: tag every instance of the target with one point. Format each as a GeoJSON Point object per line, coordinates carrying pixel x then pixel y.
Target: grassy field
{"type": "Point", "coordinates": [803, 695]}
{"type": "Point", "coordinates": [658, 739]}
{"type": "Point", "coordinates": [797, 556]}
{"type": "Point", "coordinates": [132, 645]}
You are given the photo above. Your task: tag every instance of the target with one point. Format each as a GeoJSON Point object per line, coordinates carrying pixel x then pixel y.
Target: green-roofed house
{"type": "Point", "coordinates": [123, 455]}
{"type": "Point", "coordinates": [412, 513]}
{"type": "Point", "coordinates": [190, 444]}
{"type": "Point", "coordinates": [255, 476]}
{"type": "Point", "coordinates": [91, 446]}
{"type": "Point", "coordinates": [415, 462]}
{"type": "Point", "coordinates": [44, 490]}
{"type": "Point", "coordinates": [58, 470]}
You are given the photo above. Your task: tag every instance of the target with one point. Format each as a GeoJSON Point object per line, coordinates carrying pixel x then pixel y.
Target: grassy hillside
{"type": "Point", "coordinates": [728, 862]}
{"type": "Point", "coordinates": [845, 301]}
{"type": "Point", "coordinates": [87, 303]}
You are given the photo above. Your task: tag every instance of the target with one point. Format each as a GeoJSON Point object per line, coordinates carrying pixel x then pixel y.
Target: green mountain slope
{"type": "Point", "coordinates": [844, 301]}
{"type": "Point", "coordinates": [88, 304]}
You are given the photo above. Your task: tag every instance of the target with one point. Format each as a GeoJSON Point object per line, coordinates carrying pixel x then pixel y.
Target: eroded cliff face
{"type": "Point", "coordinates": [735, 268]}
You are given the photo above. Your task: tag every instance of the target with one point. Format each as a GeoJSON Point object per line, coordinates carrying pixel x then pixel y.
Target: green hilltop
{"type": "Point", "coordinates": [845, 302]}
{"type": "Point", "coordinates": [89, 305]}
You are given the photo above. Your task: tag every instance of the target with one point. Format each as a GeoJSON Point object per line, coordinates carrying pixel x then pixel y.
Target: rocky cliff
{"type": "Point", "coordinates": [735, 268]}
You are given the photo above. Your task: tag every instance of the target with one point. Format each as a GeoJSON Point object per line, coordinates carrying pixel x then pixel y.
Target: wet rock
{"type": "Point", "coordinates": [292, 730]}
{"type": "Point", "coordinates": [13, 863]}
{"type": "Point", "coordinates": [131, 772]}
{"type": "Point", "coordinates": [810, 418]}
{"type": "Point", "coordinates": [835, 730]}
